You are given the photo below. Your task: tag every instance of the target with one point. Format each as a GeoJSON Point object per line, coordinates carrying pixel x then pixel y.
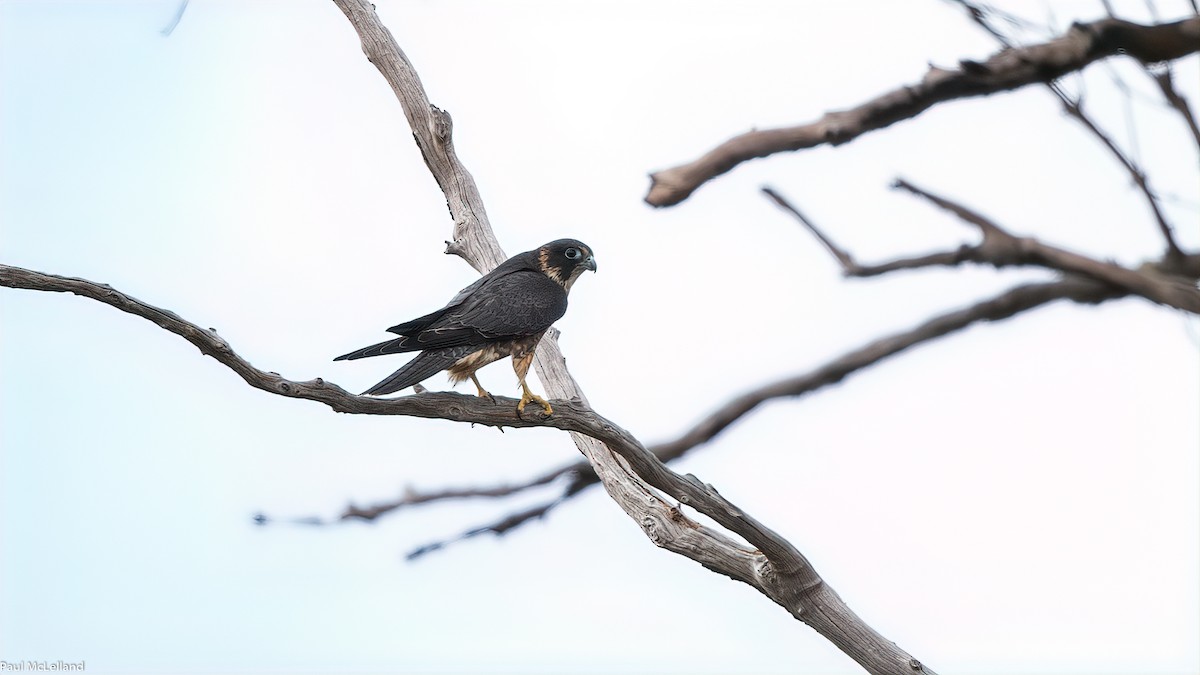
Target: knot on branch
{"type": "Point", "coordinates": [650, 527]}
{"type": "Point", "coordinates": [764, 570]}
{"type": "Point", "coordinates": [676, 515]}
{"type": "Point", "coordinates": [219, 341]}
{"type": "Point", "coordinates": [441, 124]}
{"type": "Point", "coordinates": [838, 128]}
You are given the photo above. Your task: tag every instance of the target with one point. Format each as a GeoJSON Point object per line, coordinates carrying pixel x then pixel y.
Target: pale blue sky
{"type": "Point", "coordinates": [1021, 498]}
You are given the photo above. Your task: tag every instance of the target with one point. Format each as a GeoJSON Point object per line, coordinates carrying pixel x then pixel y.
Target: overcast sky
{"type": "Point", "coordinates": [1018, 498]}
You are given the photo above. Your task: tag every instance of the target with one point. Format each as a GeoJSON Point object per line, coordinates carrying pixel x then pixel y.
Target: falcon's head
{"type": "Point", "coordinates": [564, 260]}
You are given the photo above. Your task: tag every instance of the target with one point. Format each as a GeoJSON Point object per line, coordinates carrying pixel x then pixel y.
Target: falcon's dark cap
{"type": "Point", "coordinates": [563, 260]}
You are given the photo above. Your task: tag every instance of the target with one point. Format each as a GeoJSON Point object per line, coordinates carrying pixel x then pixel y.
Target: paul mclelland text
{"type": "Point", "coordinates": [42, 666]}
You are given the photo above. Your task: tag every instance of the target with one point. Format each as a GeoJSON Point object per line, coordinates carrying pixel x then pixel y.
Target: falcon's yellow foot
{"type": "Point", "coordinates": [528, 396]}
{"type": "Point", "coordinates": [480, 391]}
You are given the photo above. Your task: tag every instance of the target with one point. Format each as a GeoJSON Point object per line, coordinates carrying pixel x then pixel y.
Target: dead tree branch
{"type": "Point", "coordinates": [1162, 282]}
{"type": "Point", "coordinates": [1166, 83]}
{"type": "Point", "coordinates": [413, 497]}
{"type": "Point", "coordinates": [1074, 109]}
{"type": "Point", "coordinates": [770, 564]}
{"type": "Point", "coordinates": [1011, 68]}
{"type": "Point", "coordinates": [1001, 249]}
{"type": "Point", "coordinates": [498, 528]}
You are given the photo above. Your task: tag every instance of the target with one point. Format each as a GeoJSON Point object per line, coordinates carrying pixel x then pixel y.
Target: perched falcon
{"type": "Point", "coordinates": [503, 314]}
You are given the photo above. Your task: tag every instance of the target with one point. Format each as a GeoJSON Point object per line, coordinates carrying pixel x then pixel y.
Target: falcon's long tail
{"type": "Point", "coordinates": [394, 346]}
{"type": "Point", "coordinates": [425, 365]}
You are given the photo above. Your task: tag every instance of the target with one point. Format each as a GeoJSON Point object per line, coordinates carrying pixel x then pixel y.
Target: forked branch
{"type": "Point", "coordinates": [1074, 109]}
{"type": "Point", "coordinates": [1169, 282]}
{"type": "Point", "coordinates": [1011, 68]}
{"type": "Point", "coordinates": [770, 563]}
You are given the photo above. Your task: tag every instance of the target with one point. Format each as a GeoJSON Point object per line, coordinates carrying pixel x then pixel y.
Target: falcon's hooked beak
{"type": "Point", "coordinates": [590, 263]}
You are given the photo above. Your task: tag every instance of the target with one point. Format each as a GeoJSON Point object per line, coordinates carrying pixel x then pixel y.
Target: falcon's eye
{"type": "Point", "coordinates": [573, 253]}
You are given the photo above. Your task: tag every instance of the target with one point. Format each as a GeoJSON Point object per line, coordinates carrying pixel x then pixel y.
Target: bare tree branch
{"type": "Point", "coordinates": [1166, 84]}
{"type": "Point", "coordinates": [841, 255]}
{"type": "Point", "coordinates": [771, 564]}
{"type": "Point", "coordinates": [1002, 249]}
{"type": "Point", "coordinates": [498, 528]}
{"type": "Point", "coordinates": [1075, 109]}
{"type": "Point", "coordinates": [170, 27]}
{"type": "Point", "coordinates": [1009, 69]}
{"type": "Point", "coordinates": [852, 268]}
{"type": "Point", "coordinates": [1003, 306]}
{"type": "Point", "coordinates": [432, 130]}
{"type": "Point", "coordinates": [414, 497]}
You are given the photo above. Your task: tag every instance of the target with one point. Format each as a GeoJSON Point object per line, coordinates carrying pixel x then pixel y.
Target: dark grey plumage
{"type": "Point", "coordinates": [503, 313]}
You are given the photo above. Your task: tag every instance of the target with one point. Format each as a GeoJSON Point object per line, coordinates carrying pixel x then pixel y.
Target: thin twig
{"type": "Point", "coordinates": [979, 14]}
{"type": "Point", "coordinates": [986, 225]}
{"type": "Point", "coordinates": [170, 27]}
{"type": "Point", "coordinates": [852, 268]}
{"type": "Point", "coordinates": [412, 497]}
{"type": "Point", "coordinates": [1166, 84]}
{"type": "Point", "coordinates": [1075, 110]}
{"type": "Point", "coordinates": [840, 254]}
{"type": "Point", "coordinates": [498, 528]}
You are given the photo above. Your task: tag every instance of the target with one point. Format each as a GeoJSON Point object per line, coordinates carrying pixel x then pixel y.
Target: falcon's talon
{"type": "Point", "coordinates": [534, 398]}
{"type": "Point", "coordinates": [530, 397]}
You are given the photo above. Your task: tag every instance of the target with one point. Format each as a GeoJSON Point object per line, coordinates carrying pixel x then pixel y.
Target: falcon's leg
{"type": "Point", "coordinates": [480, 391]}
{"type": "Point", "coordinates": [521, 366]}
